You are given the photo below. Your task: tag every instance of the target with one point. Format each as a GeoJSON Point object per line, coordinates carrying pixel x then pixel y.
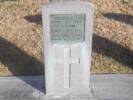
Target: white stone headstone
{"type": "Point", "coordinates": [68, 27]}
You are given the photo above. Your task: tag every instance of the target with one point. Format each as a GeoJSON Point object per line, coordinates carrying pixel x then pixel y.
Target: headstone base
{"type": "Point", "coordinates": [73, 97]}
{"type": "Point", "coordinates": [84, 95]}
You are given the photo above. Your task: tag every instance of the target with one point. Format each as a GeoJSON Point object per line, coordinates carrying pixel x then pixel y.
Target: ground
{"type": "Point", "coordinates": [21, 42]}
{"type": "Point", "coordinates": [102, 88]}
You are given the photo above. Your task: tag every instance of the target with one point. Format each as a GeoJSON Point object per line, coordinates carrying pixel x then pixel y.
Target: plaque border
{"type": "Point", "coordinates": [69, 42]}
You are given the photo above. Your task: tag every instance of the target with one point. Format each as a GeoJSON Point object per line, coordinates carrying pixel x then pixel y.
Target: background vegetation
{"type": "Point", "coordinates": [21, 42]}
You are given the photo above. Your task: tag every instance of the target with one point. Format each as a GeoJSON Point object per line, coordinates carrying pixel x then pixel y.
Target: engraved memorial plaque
{"type": "Point", "coordinates": [67, 28]}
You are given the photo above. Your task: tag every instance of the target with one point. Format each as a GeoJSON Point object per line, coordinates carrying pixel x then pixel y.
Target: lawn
{"type": "Point", "coordinates": [21, 42]}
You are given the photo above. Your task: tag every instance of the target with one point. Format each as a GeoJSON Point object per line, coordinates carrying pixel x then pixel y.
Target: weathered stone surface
{"type": "Point", "coordinates": [68, 43]}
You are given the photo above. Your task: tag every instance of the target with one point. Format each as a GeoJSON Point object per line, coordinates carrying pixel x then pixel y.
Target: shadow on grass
{"type": "Point", "coordinates": [111, 49]}
{"type": "Point", "coordinates": [18, 62]}
{"type": "Point", "coordinates": [34, 19]}
{"type": "Point", "coordinates": [128, 19]}
{"type": "Point", "coordinates": [102, 45]}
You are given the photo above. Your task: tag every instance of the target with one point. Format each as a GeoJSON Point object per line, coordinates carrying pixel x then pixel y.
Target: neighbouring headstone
{"type": "Point", "coordinates": [68, 27]}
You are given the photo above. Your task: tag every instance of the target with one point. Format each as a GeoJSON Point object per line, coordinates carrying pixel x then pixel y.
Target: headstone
{"type": "Point", "coordinates": [68, 27]}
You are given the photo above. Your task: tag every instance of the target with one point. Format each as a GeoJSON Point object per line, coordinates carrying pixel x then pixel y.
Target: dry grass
{"type": "Point", "coordinates": [21, 37]}
{"type": "Point", "coordinates": [114, 42]}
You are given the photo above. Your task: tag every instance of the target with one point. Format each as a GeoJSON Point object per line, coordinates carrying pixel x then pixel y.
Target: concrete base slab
{"type": "Point", "coordinates": [72, 97]}
{"type": "Point", "coordinates": [112, 86]}
{"type": "Point", "coordinates": [104, 87]}
{"type": "Point", "coordinates": [20, 88]}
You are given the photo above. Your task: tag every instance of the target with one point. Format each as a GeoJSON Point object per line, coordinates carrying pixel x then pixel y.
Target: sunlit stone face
{"type": "Point", "coordinates": [67, 28]}
{"type": "Point", "coordinates": [68, 41]}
